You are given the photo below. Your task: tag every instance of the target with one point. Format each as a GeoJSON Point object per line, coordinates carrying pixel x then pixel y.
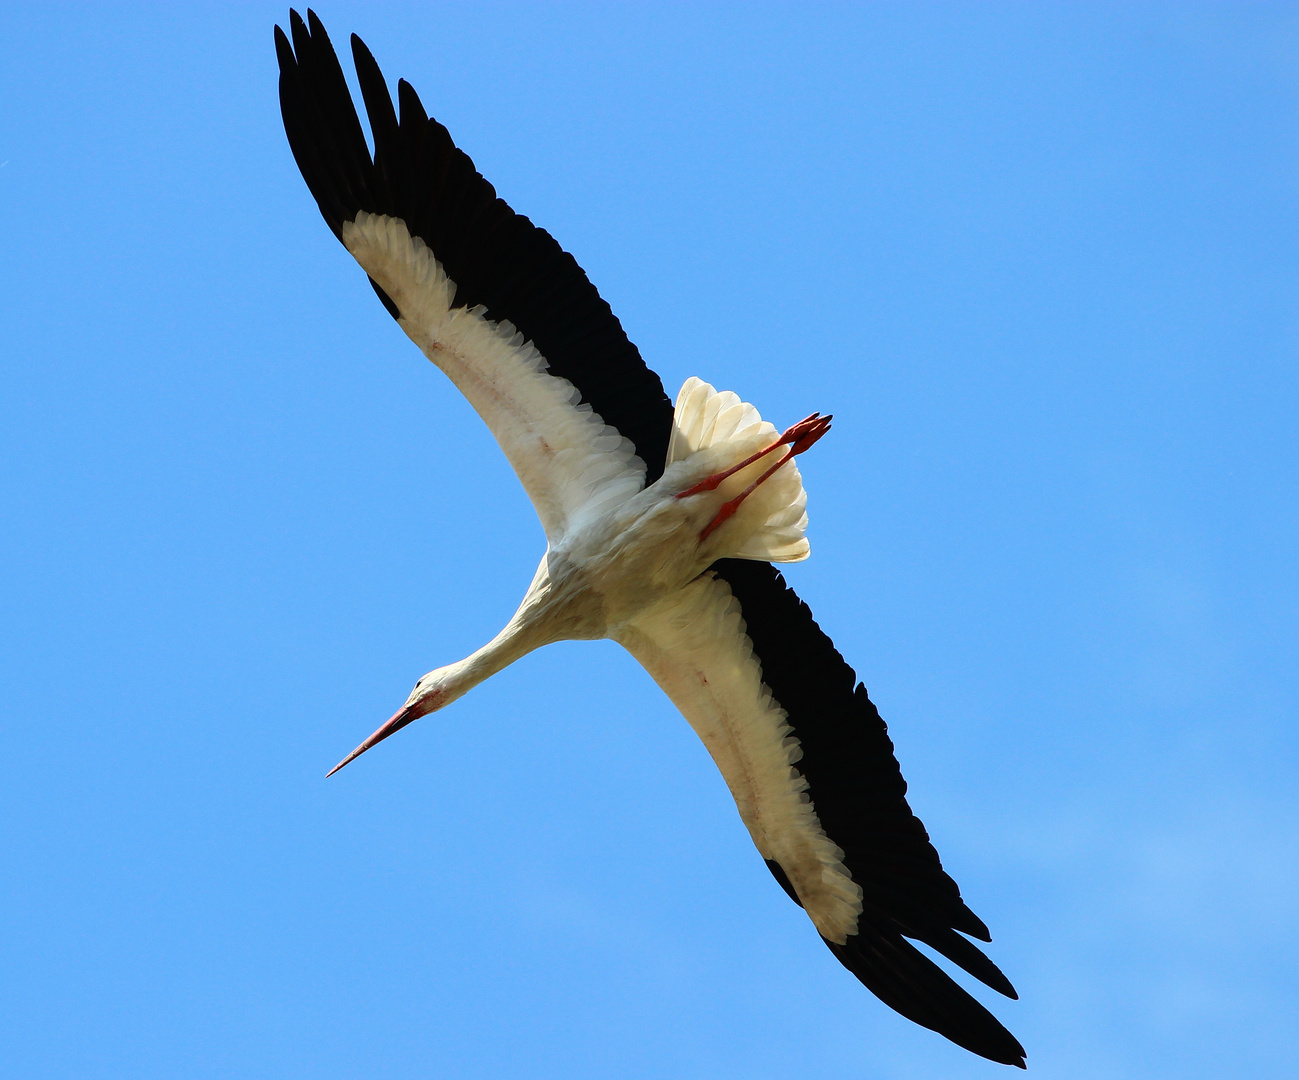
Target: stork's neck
{"type": "Point", "coordinates": [531, 627]}
{"type": "Point", "coordinates": [511, 643]}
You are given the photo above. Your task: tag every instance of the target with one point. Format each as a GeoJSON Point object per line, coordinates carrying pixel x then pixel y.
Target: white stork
{"type": "Point", "coordinates": [662, 524]}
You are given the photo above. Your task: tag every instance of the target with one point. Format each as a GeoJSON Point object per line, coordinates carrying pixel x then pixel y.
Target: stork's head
{"type": "Point", "coordinates": [430, 694]}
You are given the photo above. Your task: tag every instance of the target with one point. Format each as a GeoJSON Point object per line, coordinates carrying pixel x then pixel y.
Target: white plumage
{"type": "Point", "coordinates": [570, 462]}
{"type": "Point", "coordinates": [695, 646]}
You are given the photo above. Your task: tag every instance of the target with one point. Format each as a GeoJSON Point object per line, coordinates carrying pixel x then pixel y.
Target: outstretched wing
{"type": "Point", "coordinates": [490, 298]}
{"type": "Point", "coordinates": [810, 764]}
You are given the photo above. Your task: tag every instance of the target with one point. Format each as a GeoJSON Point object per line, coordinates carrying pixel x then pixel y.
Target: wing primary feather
{"type": "Point", "coordinates": [413, 129]}
{"type": "Point", "coordinates": [391, 166]}
{"type": "Point", "coordinates": [334, 164]}
{"type": "Point", "coordinates": [303, 141]}
{"type": "Point", "coordinates": [957, 949]}
{"type": "Point", "coordinates": [333, 171]}
{"type": "Point", "coordinates": [909, 982]}
{"type": "Point", "coordinates": [335, 101]}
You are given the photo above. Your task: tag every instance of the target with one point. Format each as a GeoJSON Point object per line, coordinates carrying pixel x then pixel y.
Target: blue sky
{"type": "Point", "coordinates": [1039, 261]}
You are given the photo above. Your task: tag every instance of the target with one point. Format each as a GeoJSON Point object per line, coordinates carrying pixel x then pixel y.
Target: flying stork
{"type": "Point", "coordinates": [662, 523]}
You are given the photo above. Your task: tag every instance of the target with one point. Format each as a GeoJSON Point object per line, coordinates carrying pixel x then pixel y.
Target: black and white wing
{"type": "Point", "coordinates": [490, 298]}
{"type": "Point", "coordinates": [810, 764]}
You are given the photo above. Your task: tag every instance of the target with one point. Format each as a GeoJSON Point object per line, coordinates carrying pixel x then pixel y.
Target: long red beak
{"type": "Point", "coordinates": [398, 720]}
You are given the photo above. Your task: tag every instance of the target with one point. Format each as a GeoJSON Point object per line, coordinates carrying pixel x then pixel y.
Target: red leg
{"type": "Point", "coordinates": [801, 437]}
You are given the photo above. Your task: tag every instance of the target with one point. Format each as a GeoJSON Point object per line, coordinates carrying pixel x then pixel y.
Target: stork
{"type": "Point", "coordinates": [662, 524]}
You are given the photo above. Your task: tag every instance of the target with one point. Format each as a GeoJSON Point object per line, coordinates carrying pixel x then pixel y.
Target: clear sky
{"type": "Point", "coordinates": [1040, 261]}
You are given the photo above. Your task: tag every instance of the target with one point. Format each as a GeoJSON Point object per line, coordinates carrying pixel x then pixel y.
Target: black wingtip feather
{"type": "Point", "coordinates": [968, 956]}
{"type": "Point", "coordinates": [907, 981]}
{"type": "Point", "coordinates": [497, 259]}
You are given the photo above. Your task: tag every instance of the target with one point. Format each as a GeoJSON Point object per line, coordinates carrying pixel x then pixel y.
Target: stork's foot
{"type": "Point", "coordinates": [798, 438]}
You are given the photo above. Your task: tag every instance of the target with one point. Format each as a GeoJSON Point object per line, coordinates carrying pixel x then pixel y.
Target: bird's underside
{"type": "Point", "coordinates": [661, 528]}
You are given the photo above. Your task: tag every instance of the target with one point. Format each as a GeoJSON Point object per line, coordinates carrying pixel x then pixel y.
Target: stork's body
{"type": "Point", "coordinates": [661, 522]}
{"type": "Point", "coordinates": [603, 574]}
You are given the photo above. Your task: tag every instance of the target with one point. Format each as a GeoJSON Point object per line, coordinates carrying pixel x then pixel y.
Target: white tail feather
{"type": "Point", "coordinates": [705, 417]}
